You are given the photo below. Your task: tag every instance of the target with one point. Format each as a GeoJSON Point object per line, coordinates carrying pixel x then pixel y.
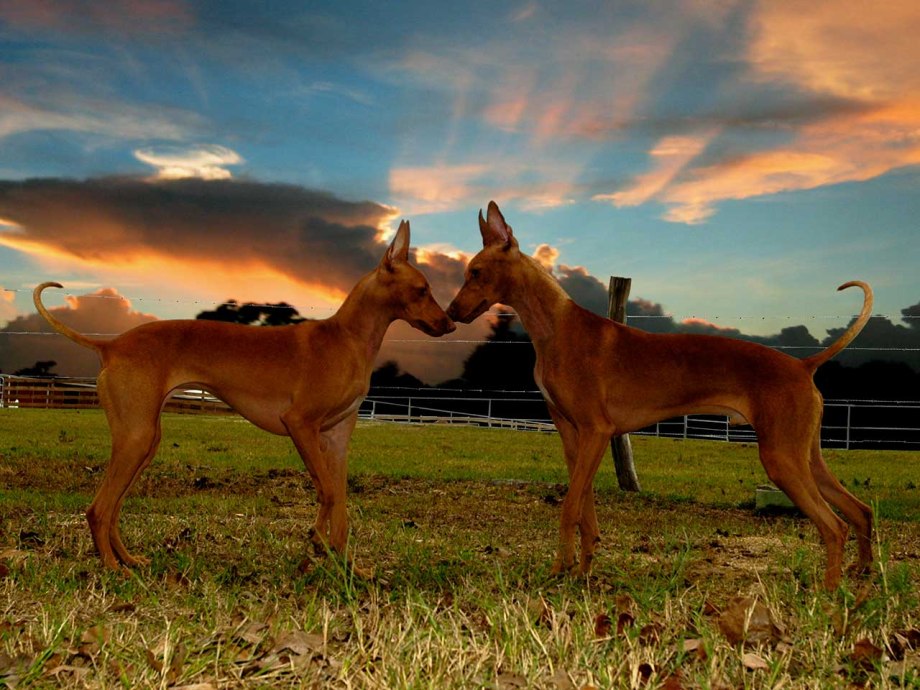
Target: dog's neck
{"type": "Point", "coordinates": [365, 315]}
{"type": "Point", "coordinates": [538, 298]}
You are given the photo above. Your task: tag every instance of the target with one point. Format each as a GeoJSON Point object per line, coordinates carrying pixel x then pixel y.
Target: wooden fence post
{"type": "Point", "coordinates": [617, 295]}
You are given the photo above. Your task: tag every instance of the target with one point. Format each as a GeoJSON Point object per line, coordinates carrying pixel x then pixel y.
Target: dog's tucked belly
{"type": "Point", "coordinates": [262, 409]}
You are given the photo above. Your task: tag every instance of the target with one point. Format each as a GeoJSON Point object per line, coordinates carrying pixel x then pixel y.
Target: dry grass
{"type": "Point", "coordinates": [461, 596]}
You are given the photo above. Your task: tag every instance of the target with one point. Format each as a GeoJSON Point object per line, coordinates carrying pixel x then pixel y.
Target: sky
{"type": "Point", "coordinates": [737, 159]}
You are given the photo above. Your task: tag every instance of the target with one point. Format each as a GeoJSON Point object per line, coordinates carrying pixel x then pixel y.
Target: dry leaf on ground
{"type": "Point", "coordinates": [754, 662]}
{"type": "Point", "coordinates": [602, 625]}
{"type": "Point", "coordinates": [298, 642]}
{"type": "Point", "coordinates": [865, 654]}
{"type": "Point", "coordinates": [562, 680]}
{"type": "Point", "coordinates": [746, 620]}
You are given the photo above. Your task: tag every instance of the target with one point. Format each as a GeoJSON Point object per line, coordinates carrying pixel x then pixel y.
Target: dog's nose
{"type": "Point", "coordinates": [452, 311]}
{"type": "Point", "coordinates": [449, 326]}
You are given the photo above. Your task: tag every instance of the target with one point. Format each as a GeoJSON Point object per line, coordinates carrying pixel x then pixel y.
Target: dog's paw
{"type": "Point", "coordinates": [859, 569]}
{"type": "Point", "coordinates": [135, 562]}
{"type": "Point", "coordinates": [561, 569]}
{"type": "Point", "coordinates": [362, 573]}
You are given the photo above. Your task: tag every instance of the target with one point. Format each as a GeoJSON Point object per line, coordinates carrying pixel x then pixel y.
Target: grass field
{"type": "Point", "coordinates": [691, 588]}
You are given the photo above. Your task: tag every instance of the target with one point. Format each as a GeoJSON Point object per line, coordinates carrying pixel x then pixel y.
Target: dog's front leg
{"type": "Point", "coordinates": [590, 447]}
{"type": "Point", "coordinates": [590, 534]}
{"type": "Point", "coordinates": [306, 437]}
{"type": "Point", "coordinates": [335, 455]}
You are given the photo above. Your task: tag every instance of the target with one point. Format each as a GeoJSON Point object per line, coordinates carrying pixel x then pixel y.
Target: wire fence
{"type": "Point", "coordinates": [847, 424]}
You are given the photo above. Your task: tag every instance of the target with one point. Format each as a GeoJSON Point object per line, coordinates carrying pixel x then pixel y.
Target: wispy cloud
{"type": "Point", "coordinates": [126, 16]}
{"type": "Point", "coordinates": [859, 66]}
{"type": "Point", "coordinates": [803, 97]}
{"type": "Point", "coordinates": [334, 89]}
{"type": "Point", "coordinates": [671, 155]}
{"type": "Point", "coordinates": [536, 105]}
{"type": "Point", "coordinates": [85, 115]}
{"type": "Point", "coordinates": [202, 162]}
{"type": "Point", "coordinates": [427, 189]}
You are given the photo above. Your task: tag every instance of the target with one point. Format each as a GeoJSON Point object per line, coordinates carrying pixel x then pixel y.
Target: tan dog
{"type": "Point", "coordinates": [305, 381]}
{"type": "Point", "coordinates": [601, 378]}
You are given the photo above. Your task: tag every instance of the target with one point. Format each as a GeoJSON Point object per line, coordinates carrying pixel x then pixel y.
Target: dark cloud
{"type": "Point", "coordinates": [444, 272]}
{"type": "Point", "coordinates": [778, 113]}
{"type": "Point", "coordinates": [104, 311]}
{"type": "Point", "coordinates": [311, 236]}
{"type": "Point", "coordinates": [881, 339]}
{"type": "Point", "coordinates": [584, 288]}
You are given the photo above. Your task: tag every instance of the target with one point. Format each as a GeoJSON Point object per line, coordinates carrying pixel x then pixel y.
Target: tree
{"type": "Point", "coordinates": [389, 375]}
{"type": "Point", "coordinates": [38, 369]}
{"type": "Point", "coordinates": [253, 314]}
{"type": "Point", "coordinates": [504, 362]}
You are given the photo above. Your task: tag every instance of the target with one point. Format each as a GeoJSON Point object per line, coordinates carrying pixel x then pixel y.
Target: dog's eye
{"type": "Point", "coordinates": [474, 273]}
{"type": "Point", "coordinates": [422, 291]}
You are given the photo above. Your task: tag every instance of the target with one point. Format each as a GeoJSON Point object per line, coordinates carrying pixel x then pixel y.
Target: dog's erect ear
{"type": "Point", "coordinates": [399, 247]}
{"type": "Point", "coordinates": [495, 230]}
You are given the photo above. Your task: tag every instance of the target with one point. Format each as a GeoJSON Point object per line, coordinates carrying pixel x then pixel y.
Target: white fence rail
{"type": "Point", "coordinates": [847, 423]}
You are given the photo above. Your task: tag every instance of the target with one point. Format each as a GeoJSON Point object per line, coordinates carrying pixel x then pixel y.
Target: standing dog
{"type": "Point", "coordinates": [305, 381]}
{"type": "Point", "coordinates": [601, 378]}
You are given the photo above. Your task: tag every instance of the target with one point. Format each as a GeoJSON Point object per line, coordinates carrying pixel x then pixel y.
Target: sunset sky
{"type": "Point", "coordinates": [736, 159]}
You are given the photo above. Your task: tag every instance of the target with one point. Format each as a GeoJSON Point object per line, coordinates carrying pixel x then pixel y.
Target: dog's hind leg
{"type": "Point", "coordinates": [133, 416]}
{"type": "Point", "coordinates": [118, 545]}
{"type": "Point", "coordinates": [855, 511]}
{"type": "Point", "coordinates": [785, 457]}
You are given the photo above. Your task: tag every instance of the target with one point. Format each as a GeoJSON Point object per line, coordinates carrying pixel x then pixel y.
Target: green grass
{"type": "Point", "coordinates": [708, 472]}
{"type": "Point", "coordinates": [459, 525]}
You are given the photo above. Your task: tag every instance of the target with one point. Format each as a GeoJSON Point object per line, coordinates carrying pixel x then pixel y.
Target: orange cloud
{"type": "Point", "coordinates": [429, 189]}
{"type": "Point", "coordinates": [842, 49]}
{"type": "Point", "coordinates": [7, 310]}
{"type": "Point", "coordinates": [595, 83]}
{"type": "Point", "coordinates": [699, 325]}
{"type": "Point", "coordinates": [436, 188]}
{"type": "Point", "coordinates": [672, 154]}
{"type": "Point", "coordinates": [546, 255]}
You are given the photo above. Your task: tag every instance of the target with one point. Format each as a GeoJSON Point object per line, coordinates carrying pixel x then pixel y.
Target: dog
{"type": "Point", "coordinates": [305, 381]}
{"type": "Point", "coordinates": [600, 378]}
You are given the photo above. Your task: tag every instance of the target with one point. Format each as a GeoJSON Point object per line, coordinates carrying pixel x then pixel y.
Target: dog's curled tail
{"type": "Point", "coordinates": [61, 328]}
{"type": "Point", "coordinates": [817, 360]}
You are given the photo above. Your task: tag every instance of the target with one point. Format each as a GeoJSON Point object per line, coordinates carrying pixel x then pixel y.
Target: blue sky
{"type": "Point", "coordinates": [736, 159]}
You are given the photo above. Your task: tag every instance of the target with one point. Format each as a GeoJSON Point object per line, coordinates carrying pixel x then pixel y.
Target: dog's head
{"type": "Point", "coordinates": [407, 290]}
{"type": "Point", "coordinates": [489, 275]}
